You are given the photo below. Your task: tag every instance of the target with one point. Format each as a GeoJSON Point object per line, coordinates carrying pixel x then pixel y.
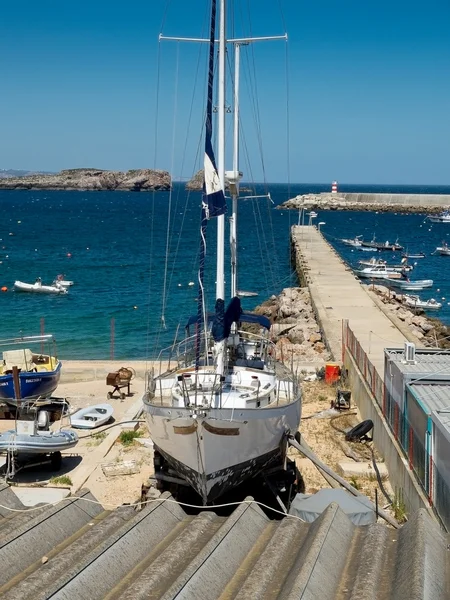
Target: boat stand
{"type": "Point", "coordinates": [14, 464]}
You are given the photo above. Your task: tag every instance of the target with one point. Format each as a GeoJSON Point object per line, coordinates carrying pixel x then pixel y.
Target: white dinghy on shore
{"type": "Point", "coordinates": [91, 417]}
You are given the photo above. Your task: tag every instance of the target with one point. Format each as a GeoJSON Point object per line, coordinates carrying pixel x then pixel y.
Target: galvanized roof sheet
{"type": "Point", "coordinates": [434, 396]}
{"type": "Point", "coordinates": [432, 361]}
{"type": "Point", "coordinates": [79, 551]}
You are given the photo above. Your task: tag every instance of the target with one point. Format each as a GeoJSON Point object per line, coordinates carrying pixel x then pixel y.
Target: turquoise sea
{"type": "Point", "coordinates": [127, 302]}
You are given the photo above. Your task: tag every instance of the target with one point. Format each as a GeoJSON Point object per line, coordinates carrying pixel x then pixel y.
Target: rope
{"type": "Point", "coordinates": [73, 499]}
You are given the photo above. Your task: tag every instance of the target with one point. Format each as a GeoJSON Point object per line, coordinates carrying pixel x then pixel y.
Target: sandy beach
{"type": "Point", "coordinates": [83, 383]}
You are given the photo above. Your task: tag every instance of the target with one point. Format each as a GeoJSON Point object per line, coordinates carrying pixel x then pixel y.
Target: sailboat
{"type": "Point", "coordinates": [222, 414]}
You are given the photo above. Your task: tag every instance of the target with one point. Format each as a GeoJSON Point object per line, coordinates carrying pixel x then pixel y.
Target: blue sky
{"type": "Point", "coordinates": [368, 102]}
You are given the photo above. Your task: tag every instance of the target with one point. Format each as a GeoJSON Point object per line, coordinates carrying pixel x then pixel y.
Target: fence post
{"type": "Point", "coordinates": [112, 337]}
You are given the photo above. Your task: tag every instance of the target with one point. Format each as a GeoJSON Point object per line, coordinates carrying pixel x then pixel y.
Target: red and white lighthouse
{"type": "Point", "coordinates": [334, 187]}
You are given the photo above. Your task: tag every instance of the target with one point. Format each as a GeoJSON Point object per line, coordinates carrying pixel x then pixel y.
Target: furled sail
{"type": "Point", "coordinates": [213, 198]}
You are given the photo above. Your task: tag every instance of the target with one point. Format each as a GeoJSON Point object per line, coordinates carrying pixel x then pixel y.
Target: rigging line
{"type": "Point", "coordinates": [288, 114]}
{"type": "Point", "coordinates": [152, 211]}
{"type": "Point", "coordinates": [163, 21]}
{"type": "Point", "coordinates": [169, 212]}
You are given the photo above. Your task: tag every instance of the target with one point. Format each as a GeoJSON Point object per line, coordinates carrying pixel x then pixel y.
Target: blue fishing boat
{"type": "Point", "coordinates": [27, 374]}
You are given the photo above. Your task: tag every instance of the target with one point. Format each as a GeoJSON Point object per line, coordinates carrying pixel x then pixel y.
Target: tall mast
{"type": "Point", "coordinates": [220, 270]}
{"type": "Point", "coordinates": [233, 178]}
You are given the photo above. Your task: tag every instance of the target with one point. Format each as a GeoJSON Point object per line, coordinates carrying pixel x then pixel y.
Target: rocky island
{"type": "Point", "coordinates": [136, 180]}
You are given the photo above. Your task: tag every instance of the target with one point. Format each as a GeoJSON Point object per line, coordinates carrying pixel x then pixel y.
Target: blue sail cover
{"type": "Point", "coordinates": [213, 201]}
{"type": "Point", "coordinates": [223, 320]}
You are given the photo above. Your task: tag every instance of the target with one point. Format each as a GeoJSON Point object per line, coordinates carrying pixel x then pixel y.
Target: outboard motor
{"type": "Point", "coordinates": [43, 420]}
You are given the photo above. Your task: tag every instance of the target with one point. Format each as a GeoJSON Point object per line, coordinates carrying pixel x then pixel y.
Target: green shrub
{"type": "Point", "coordinates": [61, 480]}
{"type": "Point", "coordinates": [127, 437]}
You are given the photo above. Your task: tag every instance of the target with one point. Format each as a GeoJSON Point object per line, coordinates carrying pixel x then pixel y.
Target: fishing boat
{"type": "Point", "coordinates": [221, 414]}
{"type": "Point", "coordinates": [443, 217]}
{"type": "Point", "coordinates": [377, 272]}
{"type": "Point", "coordinates": [406, 284]}
{"type": "Point", "coordinates": [39, 288]}
{"type": "Point", "coordinates": [443, 250]}
{"type": "Point", "coordinates": [26, 374]}
{"type": "Point", "coordinates": [374, 262]}
{"type": "Point", "coordinates": [91, 417]}
{"type": "Point", "coordinates": [416, 302]}
{"type": "Point", "coordinates": [355, 242]}
{"type": "Point", "coordinates": [395, 247]}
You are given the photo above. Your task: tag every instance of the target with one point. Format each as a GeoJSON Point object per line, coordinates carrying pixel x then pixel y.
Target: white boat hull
{"type": "Point", "coordinates": [91, 416]}
{"type": "Point", "coordinates": [37, 288]}
{"type": "Point", "coordinates": [39, 443]}
{"type": "Point", "coordinates": [219, 450]}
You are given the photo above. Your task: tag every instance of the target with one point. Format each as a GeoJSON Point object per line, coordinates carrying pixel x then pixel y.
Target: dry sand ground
{"type": "Point", "coordinates": [83, 463]}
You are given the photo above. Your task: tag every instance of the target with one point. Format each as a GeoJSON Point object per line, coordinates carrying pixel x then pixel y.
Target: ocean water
{"type": "Point", "coordinates": [128, 299]}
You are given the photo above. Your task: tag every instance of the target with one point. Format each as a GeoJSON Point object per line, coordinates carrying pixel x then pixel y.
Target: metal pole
{"type": "Point", "coordinates": [233, 222]}
{"type": "Point", "coordinates": [112, 337]}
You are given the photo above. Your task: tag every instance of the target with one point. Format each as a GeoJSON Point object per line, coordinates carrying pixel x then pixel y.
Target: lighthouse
{"type": "Point", "coordinates": [334, 187]}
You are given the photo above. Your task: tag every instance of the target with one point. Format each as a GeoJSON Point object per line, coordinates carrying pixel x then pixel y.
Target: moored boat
{"type": "Point", "coordinates": [443, 250]}
{"type": "Point", "coordinates": [443, 217]}
{"type": "Point", "coordinates": [414, 301]}
{"type": "Point", "coordinates": [374, 262]}
{"type": "Point", "coordinates": [38, 373]}
{"type": "Point", "coordinates": [405, 284]}
{"type": "Point", "coordinates": [395, 247]}
{"type": "Point", "coordinates": [38, 288]}
{"type": "Point", "coordinates": [356, 241]}
{"type": "Point", "coordinates": [377, 272]}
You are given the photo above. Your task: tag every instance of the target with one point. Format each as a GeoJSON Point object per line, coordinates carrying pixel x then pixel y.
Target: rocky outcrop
{"type": "Point", "coordinates": [196, 184]}
{"type": "Point", "coordinates": [399, 203]}
{"type": "Point", "coordinates": [135, 180]}
{"type": "Point", "coordinates": [430, 331]}
{"type": "Point", "coordinates": [294, 330]}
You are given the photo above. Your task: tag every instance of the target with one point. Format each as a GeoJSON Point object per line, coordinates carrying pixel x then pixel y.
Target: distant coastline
{"type": "Point", "coordinates": [135, 180]}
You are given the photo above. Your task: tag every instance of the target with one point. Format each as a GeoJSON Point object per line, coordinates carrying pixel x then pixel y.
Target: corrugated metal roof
{"type": "Point", "coordinates": [434, 396]}
{"type": "Point", "coordinates": [432, 361]}
{"type": "Point", "coordinates": [79, 551]}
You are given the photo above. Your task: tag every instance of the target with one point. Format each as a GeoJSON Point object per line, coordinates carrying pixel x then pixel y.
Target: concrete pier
{"type": "Point", "coordinates": [339, 298]}
{"type": "Point", "coordinates": [337, 295]}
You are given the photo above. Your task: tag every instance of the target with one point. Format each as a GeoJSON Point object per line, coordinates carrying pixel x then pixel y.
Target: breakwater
{"type": "Point", "coordinates": [353, 325]}
{"type": "Point", "coordinates": [407, 203]}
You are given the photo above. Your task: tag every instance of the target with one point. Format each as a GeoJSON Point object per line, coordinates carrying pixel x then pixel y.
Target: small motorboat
{"type": "Point", "coordinates": [38, 373]}
{"type": "Point", "coordinates": [416, 302]}
{"type": "Point", "coordinates": [60, 280]}
{"type": "Point", "coordinates": [38, 288]}
{"type": "Point", "coordinates": [379, 262]}
{"type": "Point", "coordinates": [443, 250]}
{"type": "Point", "coordinates": [246, 294]}
{"type": "Point", "coordinates": [443, 217]}
{"type": "Point", "coordinates": [377, 272]}
{"type": "Point", "coordinates": [91, 417]}
{"type": "Point", "coordinates": [32, 440]}
{"type": "Point", "coordinates": [19, 441]}
{"type": "Point", "coordinates": [405, 284]}
{"type": "Point", "coordinates": [382, 246]}
{"type": "Point", "coordinates": [356, 241]}
{"type": "Point", "coordinates": [418, 255]}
